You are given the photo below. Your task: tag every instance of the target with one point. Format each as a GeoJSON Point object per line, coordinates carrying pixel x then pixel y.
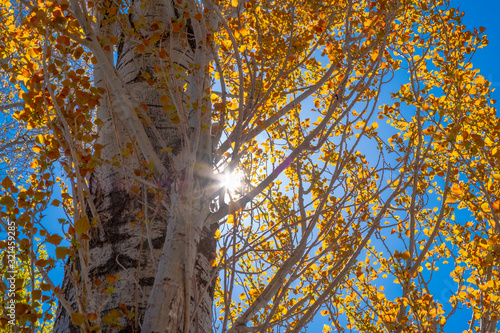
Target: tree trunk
{"type": "Point", "coordinates": [155, 242]}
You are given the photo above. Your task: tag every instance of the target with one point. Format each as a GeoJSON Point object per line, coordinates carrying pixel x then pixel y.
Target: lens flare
{"type": "Point", "coordinates": [232, 182]}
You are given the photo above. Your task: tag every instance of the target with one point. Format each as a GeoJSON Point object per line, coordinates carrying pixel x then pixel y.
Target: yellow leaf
{"type": "Point", "coordinates": [244, 31]}
{"type": "Point", "coordinates": [77, 318]}
{"type": "Point", "coordinates": [230, 219]}
{"type": "Point", "coordinates": [405, 255]}
{"type": "Point", "coordinates": [455, 189]}
{"type": "Point", "coordinates": [429, 130]}
{"type": "Point", "coordinates": [226, 43]}
{"type": "Point", "coordinates": [234, 3]}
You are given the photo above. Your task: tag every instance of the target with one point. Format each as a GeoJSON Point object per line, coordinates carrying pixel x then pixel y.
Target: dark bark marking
{"type": "Point", "coordinates": [148, 281]}
{"type": "Point", "coordinates": [112, 266]}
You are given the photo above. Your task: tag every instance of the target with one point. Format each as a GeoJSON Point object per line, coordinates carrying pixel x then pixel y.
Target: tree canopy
{"type": "Point", "coordinates": [344, 153]}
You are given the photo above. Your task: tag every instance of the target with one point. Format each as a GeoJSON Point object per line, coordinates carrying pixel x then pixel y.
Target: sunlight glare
{"type": "Point", "coordinates": [232, 182]}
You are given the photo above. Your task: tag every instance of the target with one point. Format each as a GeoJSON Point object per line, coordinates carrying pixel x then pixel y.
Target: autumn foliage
{"type": "Point", "coordinates": [361, 142]}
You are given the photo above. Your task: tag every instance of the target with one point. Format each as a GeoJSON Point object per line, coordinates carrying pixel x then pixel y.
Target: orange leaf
{"type": "Point", "coordinates": [140, 48]}
{"type": "Point", "coordinates": [111, 279]}
{"type": "Point", "coordinates": [6, 183]}
{"type": "Point", "coordinates": [63, 40]}
{"type": "Point", "coordinates": [91, 316]}
{"type": "Point", "coordinates": [21, 308]}
{"type": "Point", "coordinates": [7, 201]}
{"type": "Point", "coordinates": [54, 239]}
{"type": "Point", "coordinates": [37, 294]}
{"type": "Point", "coordinates": [162, 54]}
{"type": "Point", "coordinates": [176, 26]}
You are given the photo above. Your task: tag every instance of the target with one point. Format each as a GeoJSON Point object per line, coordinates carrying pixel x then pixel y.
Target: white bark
{"type": "Point", "coordinates": [181, 243]}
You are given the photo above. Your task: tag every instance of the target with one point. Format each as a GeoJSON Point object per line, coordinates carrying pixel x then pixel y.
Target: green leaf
{"type": "Point", "coordinates": [109, 290]}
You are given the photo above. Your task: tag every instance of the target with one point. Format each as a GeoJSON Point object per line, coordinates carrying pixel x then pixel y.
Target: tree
{"type": "Point", "coordinates": [226, 155]}
{"type": "Point", "coordinates": [23, 292]}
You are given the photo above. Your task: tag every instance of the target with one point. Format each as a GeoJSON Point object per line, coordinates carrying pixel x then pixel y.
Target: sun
{"type": "Point", "coordinates": [232, 182]}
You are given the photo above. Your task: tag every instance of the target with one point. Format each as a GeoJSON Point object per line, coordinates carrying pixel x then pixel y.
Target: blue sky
{"type": "Point", "coordinates": [486, 14]}
{"type": "Point", "coordinates": [477, 13]}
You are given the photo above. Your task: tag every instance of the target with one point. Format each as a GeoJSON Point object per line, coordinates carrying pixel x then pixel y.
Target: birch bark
{"type": "Point", "coordinates": [163, 263]}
